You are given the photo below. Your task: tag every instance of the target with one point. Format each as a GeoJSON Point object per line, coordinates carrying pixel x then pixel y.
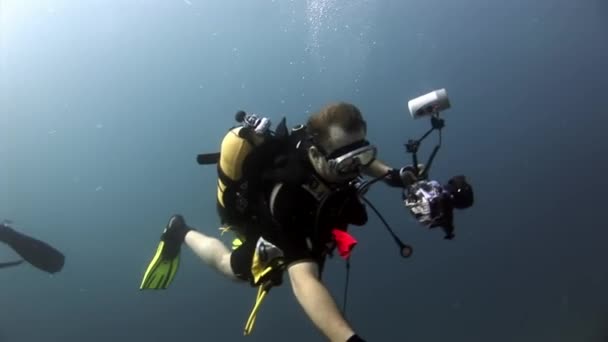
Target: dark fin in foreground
{"type": "Point", "coordinates": [38, 253]}
{"type": "Point", "coordinates": [10, 263]}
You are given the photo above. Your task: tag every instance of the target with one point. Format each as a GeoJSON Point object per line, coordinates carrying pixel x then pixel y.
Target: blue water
{"type": "Point", "coordinates": [104, 106]}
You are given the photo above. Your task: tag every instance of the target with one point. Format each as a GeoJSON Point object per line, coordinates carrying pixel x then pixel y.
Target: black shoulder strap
{"type": "Point", "coordinates": [247, 134]}
{"type": "Point", "coordinates": [281, 130]}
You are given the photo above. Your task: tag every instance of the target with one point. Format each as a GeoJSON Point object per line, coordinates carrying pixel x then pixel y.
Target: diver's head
{"type": "Point", "coordinates": [461, 192]}
{"type": "Point", "coordinates": [339, 150]}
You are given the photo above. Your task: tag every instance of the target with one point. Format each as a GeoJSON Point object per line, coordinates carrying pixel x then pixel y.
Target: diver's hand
{"type": "Point", "coordinates": [408, 175]}
{"type": "Point", "coordinates": [403, 177]}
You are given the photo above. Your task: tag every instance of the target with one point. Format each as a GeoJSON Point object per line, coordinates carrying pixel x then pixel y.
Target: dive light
{"type": "Point", "coordinates": [429, 104]}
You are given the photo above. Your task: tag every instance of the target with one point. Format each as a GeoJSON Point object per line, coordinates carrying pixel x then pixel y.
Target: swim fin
{"type": "Point", "coordinates": [164, 265]}
{"type": "Point", "coordinates": [10, 263]}
{"type": "Point", "coordinates": [36, 252]}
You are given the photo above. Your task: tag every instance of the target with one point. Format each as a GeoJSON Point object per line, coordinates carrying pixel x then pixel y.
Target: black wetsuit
{"type": "Point", "coordinates": [298, 228]}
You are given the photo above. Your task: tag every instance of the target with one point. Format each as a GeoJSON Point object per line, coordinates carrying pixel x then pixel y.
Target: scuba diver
{"type": "Point", "coordinates": [37, 253]}
{"type": "Point", "coordinates": [289, 199]}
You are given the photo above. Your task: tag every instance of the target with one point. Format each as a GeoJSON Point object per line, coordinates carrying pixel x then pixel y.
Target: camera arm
{"type": "Point", "coordinates": [412, 146]}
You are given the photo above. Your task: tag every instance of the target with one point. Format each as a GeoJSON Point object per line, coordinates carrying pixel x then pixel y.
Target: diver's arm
{"type": "Point", "coordinates": [398, 178]}
{"type": "Point", "coordinates": [377, 169]}
{"type": "Point", "coordinates": [317, 302]}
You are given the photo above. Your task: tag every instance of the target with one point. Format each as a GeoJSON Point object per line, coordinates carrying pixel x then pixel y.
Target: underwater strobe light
{"type": "Point", "coordinates": [429, 104]}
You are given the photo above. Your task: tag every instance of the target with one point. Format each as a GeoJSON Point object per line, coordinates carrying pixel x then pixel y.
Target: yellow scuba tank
{"type": "Point", "coordinates": [233, 182]}
{"type": "Point", "coordinates": [234, 149]}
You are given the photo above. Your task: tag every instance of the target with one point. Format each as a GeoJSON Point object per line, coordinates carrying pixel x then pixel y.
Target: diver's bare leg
{"type": "Point", "coordinates": [212, 251]}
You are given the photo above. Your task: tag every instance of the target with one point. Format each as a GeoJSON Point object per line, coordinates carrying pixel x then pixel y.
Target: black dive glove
{"type": "Point", "coordinates": [401, 178]}
{"type": "Point", "coordinates": [355, 338]}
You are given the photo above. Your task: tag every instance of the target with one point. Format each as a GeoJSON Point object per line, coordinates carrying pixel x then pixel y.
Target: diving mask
{"type": "Point", "coordinates": [351, 158]}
